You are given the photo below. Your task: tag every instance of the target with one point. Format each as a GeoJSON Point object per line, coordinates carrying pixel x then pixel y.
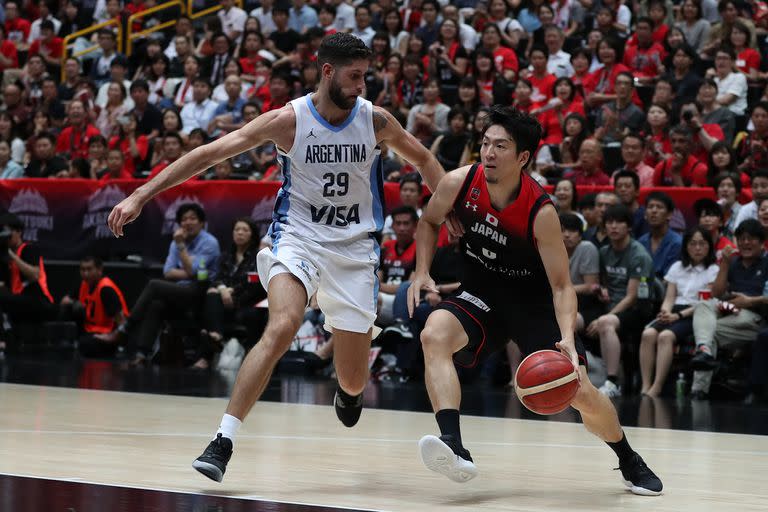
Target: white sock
{"type": "Point", "coordinates": [229, 427]}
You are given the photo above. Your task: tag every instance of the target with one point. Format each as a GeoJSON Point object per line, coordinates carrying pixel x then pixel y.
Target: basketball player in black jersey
{"type": "Point", "coordinates": [516, 286]}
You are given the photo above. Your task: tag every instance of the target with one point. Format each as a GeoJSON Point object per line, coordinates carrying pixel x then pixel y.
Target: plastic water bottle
{"type": "Point", "coordinates": [680, 385]}
{"type": "Point", "coordinates": [643, 292]}
{"type": "Point", "coordinates": [202, 271]}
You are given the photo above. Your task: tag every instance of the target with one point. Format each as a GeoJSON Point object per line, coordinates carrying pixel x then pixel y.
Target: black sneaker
{"type": "Point", "coordinates": [444, 455]}
{"type": "Point", "coordinates": [703, 362]}
{"type": "Point", "coordinates": [213, 462]}
{"type": "Point", "coordinates": [399, 328]}
{"type": "Point", "coordinates": [639, 478]}
{"type": "Point", "coordinates": [348, 412]}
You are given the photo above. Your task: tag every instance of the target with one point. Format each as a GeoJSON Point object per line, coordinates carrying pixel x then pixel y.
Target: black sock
{"type": "Point", "coordinates": [622, 448]}
{"type": "Point", "coordinates": [347, 398]}
{"type": "Point", "coordinates": [613, 379]}
{"type": "Point", "coordinates": [448, 421]}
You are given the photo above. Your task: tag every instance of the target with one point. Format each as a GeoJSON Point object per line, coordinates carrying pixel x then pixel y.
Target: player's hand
{"type": "Point", "coordinates": [419, 282]}
{"type": "Point", "coordinates": [568, 348]}
{"type": "Point", "coordinates": [124, 213]}
{"type": "Point", "coordinates": [454, 225]}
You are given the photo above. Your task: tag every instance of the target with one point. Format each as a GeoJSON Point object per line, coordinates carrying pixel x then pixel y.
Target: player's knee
{"type": "Point", "coordinates": [431, 340]}
{"type": "Point", "coordinates": [281, 329]}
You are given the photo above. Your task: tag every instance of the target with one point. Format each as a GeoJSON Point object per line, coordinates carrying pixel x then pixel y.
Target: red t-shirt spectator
{"type": "Point", "coordinates": [249, 64]}
{"type": "Point", "coordinates": [659, 34]}
{"type": "Point", "coordinates": [694, 173]}
{"type": "Point", "coordinates": [645, 62]}
{"type": "Point", "coordinates": [713, 130]}
{"type": "Point", "coordinates": [74, 142]}
{"type": "Point", "coordinates": [8, 50]}
{"type": "Point", "coordinates": [543, 88]}
{"type": "Point", "coordinates": [17, 30]}
{"type": "Point", "coordinates": [580, 178]}
{"type": "Point", "coordinates": [142, 144]}
{"type": "Point", "coordinates": [748, 59]}
{"type": "Point", "coordinates": [552, 121]}
{"type": "Point", "coordinates": [505, 59]}
{"type": "Point", "coordinates": [602, 80]}
{"type": "Point", "coordinates": [55, 47]}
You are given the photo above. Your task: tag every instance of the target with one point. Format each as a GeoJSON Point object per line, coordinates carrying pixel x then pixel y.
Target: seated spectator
{"type": "Point", "coordinates": [398, 261]}
{"type": "Point", "coordinates": [72, 75]}
{"type": "Point", "coordinates": [118, 71]}
{"type": "Point", "coordinates": [597, 234]}
{"type": "Point", "coordinates": [727, 189]}
{"type": "Point", "coordinates": [492, 86]}
{"type": "Point", "coordinates": [523, 96]}
{"type": "Point", "coordinates": [449, 146]}
{"type": "Point", "coordinates": [410, 195]}
{"type": "Point", "coordinates": [198, 113]}
{"type": "Point", "coordinates": [448, 60]}
{"type": "Point", "coordinates": [228, 116]}
{"type": "Point", "coordinates": [51, 105]}
{"type": "Point", "coordinates": [747, 57]}
{"type": "Point", "coordinates": [624, 263]}
{"type": "Point", "coordinates": [683, 78]}
{"type": "Point", "coordinates": [759, 192]}
{"type": "Point", "coordinates": [16, 27]}
{"type": "Point", "coordinates": [694, 27]}
{"type": "Point", "coordinates": [681, 169]}
{"type": "Point", "coordinates": [576, 131]}
{"type": "Point", "coordinates": [283, 39]}
{"type": "Point", "coordinates": [712, 112]}
{"type": "Point", "coordinates": [98, 306]}
{"type": "Point", "coordinates": [172, 150]}
{"type": "Point", "coordinates": [588, 170]}
{"type": "Point", "coordinates": [752, 147]}
{"type": "Point", "coordinates": [505, 59]}
{"type": "Point", "coordinates": [183, 93]}
{"type": "Point", "coordinates": [117, 168]}
{"type": "Point", "coordinates": [705, 135]}
{"type": "Point", "coordinates": [363, 29]}
{"type": "Point", "coordinates": [14, 107]}
{"type": "Point", "coordinates": [710, 216]}
{"type": "Point", "coordinates": [9, 57]}
{"type": "Point", "coordinates": [45, 162]}
{"type": "Point", "coordinates": [100, 69]}
{"type": "Point", "coordinates": [232, 295]}
{"type": "Point", "coordinates": [645, 59]}
{"type": "Point", "coordinates": [279, 92]}
{"type": "Point", "coordinates": [426, 120]}
{"type": "Point", "coordinates": [558, 61]}
{"type": "Point", "coordinates": [73, 139]}
{"type": "Point", "coordinates": [49, 47]}
{"type": "Point", "coordinates": [731, 85]}
{"type": "Point", "coordinates": [722, 160]}
{"type": "Point", "coordinates": [588, 211]}
{"type": "Point", "coordinates": [661, 242]}
{"type": "Point", "coordinates": [114, 112]}
{"type": "Point", "coordinates": [567, 198]}
{"type": "Point", "coordinates": [617, 118]}
{"type": "Point", "coordinates": [24, 295]}
{"type": "Point", "coordinates": [557, 109]}
{"type": "Point", "coordinates": [135, 147]}
{"type": "Point", "coordinates": [599, 85]}
{"type": "Point", "coordinates": [626, 185]}
{"type": "Point", "coordinates": [191, 263]}
{"type": "Point", "coordinates": [732, 318]}
{"type": "Point", "coordinates": [8, 168]}
{"type": "Point", "coordinates": [97, 155]}
{"type": "Point", "coordinates": [695, 271]}
{"type": "Point", "coordinates": [32, 77]}
{"type": "Point", "coordinates": [79, 168]}
{"type": "Point", "coordinates": [584, 267]}
{"type": "Point", "coordinates": [541, 79]}
{"type": "Point", "coordinates": [632, 152]}
{"type": "Point", "coordinates": [213, 66]}
{"type": "Point", "coordinates": [149, 120]}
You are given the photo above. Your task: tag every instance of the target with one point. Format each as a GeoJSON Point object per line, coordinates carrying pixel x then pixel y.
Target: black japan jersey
{"type": "Point", "coordinates": [501, 259]}
{"type": "Point", "coordinates": [397, 267]}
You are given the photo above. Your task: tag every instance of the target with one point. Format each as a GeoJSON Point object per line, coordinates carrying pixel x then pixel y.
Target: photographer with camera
{"type": "Point", "coordinates": [705, 135]}
{"type": "Point", "coordinates": [24, 294]}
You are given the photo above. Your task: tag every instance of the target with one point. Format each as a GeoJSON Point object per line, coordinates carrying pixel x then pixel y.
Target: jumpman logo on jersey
{"type": "Point", "coordinates": [471, 205]}
{"type": "Point", "coordinates": [311, 133]}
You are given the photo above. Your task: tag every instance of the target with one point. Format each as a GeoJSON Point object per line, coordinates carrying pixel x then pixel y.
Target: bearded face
{"type": "Point", "coordinates": [341, 100]}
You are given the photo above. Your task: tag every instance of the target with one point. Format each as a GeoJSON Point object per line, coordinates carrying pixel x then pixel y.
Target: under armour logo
{"type": "Point", "coordinates": [311, 134]}
{"type": "Point", "coordinates": [471, 205]}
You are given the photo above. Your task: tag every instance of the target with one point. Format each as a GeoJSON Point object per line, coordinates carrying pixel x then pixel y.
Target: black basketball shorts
{"type": "Point", "coordinates": [491, 324]}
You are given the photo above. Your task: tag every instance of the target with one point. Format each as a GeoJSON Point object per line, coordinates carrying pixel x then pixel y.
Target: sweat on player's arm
{"type": "Point", "coordinates": [549, 240]}
{"type": "Point", "coordinates": [436, 211]}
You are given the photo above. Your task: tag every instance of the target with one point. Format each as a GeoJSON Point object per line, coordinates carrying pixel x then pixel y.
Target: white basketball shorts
{"type": "Point", "coordinates": [343, 275]}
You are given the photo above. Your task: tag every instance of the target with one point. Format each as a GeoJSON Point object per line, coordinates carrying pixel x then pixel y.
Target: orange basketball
{"type": "Point", "coordinates": [546, 382]}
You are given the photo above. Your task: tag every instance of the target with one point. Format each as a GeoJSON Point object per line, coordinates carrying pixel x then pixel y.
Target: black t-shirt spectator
{"type": "Point", "coordinates": [40, 169]}
{"type": "Point", "coordinates": [286, 41]}
{"type": "Point", "coordinates": [150, 119]}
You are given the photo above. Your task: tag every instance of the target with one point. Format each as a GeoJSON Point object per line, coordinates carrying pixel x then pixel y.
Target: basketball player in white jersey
{"type": "Point", "coordinates": [326, 212]}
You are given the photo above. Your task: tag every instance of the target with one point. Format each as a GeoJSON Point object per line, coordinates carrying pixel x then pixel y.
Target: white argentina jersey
{"type": "Point", "coordinates": [332, 180]}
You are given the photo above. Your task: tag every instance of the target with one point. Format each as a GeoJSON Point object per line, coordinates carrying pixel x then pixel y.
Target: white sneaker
{"type": "Point", "coordinates": [438, 456]}
{"type": "Point", "coordinates": [610, 389]}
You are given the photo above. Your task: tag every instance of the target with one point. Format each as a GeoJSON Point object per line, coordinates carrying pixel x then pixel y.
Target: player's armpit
{"type": "Point", "coordinates": [443, 199]}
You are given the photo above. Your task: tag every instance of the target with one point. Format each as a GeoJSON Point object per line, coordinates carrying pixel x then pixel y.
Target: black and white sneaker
{"type": "Point", "coordinates": [443, 455]}
{"type": "Point", "coordinates": [399, 328]}
{"type": "Point", "coordinates": [213, 462]}
{"type": "Point", "coordinates": [348, 412]}
{"type": "Point", "coordinates": [639, 478]}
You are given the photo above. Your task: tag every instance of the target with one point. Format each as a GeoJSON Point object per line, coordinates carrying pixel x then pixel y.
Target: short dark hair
{"type": "Point", "coordinates": [735, 178]}
{"type": "Point", "coordinates": [48, 136]}
{"type": "Point", "coordinates": [97, 139]}
{"type": "Point", "coordinates": [522, 128]}
{"type": "Point", "coordinates": [760, 173]}
{"type": "Point", "coordinates": [571, 222]}
{"type": "Point", "coordinates": [635, 135]}
{"type": "Point", "coordinates": [458, 111]}
{"type": "Point", "coordinates": [47, 24]}
{"type": "Point", "coordinates": [139, 84]}
{"type": "Point", "coordinates": [644, 19]}
{"type": "Point", "coordinates": [174, 135]}
{"type": "Point", "coordinates": [662, 198]}
{"type": "Point", "coordinates": [280, 8]}
{"type": "Point", "coordinates": [411, 177]}
{"type": "Point", "coordinates": [405, 210]}
{"type": "Point", "coordinates": [708, 206]}
{"type": "Point", "coordinates": [751, 227]}
{"type": "Point", "coordinates": [626, 173]}
{"type": "Point", "coordinates": [760, 104]}
{"type": "Point", "coordinates": [201, 80]}
{"type": "Point", "coordinates": [710, 258]}
{"type": "Point", "coordinates": [587, 201]}
{"type": "Point", "coordinates": [97, 262]}
{"type": "Point", "coordinates": [341, 48]}
{"type": "Point", "coordinates": [727, 50]}
{"type": "Point", "coordinates": [681, 129]}
{"type": "Point", "coordinates": [618, 213]}
{"type": "Point", "coordinates": [190, 207]}
{"type": "Point", "coordinates": [83, 167]}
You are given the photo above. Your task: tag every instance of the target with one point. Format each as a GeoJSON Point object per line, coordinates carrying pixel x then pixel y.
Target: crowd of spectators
{"type": "Point", "coordinates": [631, 94]}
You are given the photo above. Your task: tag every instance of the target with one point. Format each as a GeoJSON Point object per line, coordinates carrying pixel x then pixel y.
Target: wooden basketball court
{"type": "Point", "coordinates": [301, 454]}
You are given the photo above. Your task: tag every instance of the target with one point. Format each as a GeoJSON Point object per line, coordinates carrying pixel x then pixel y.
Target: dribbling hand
{"type": "Point", "coordinates": [419, 282]}
{"type": "Point", "coordinates": [568, 349]}
{"type": "Point", "coordinates": [124, 213]}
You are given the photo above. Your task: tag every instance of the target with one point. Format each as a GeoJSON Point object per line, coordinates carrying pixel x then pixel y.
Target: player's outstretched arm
{"type": "Point", "coordinates": [270, 126]}
{"type": "Point", "coordinates": [389, 131]}
{"type": "Point", "coordinates": [439, 206]}
{"type": "Point", "coordinates": [549, 239]}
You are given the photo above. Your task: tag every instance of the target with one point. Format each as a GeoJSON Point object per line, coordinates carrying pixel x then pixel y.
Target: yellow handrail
{"type": "Point", "coordinates": [130, 36]}
{"type": "Point", "coordinates": [89, 30]}
{"type": "Point", "coordinates": [208, 10]}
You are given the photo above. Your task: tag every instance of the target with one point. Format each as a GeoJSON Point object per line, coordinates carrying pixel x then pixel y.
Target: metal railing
{"type": "Point", "coordinates": [89, 30]}
{"type": "Point", "coordinates": [207, 10]}
{"type": "Point", "coordinates": [131, 36]}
